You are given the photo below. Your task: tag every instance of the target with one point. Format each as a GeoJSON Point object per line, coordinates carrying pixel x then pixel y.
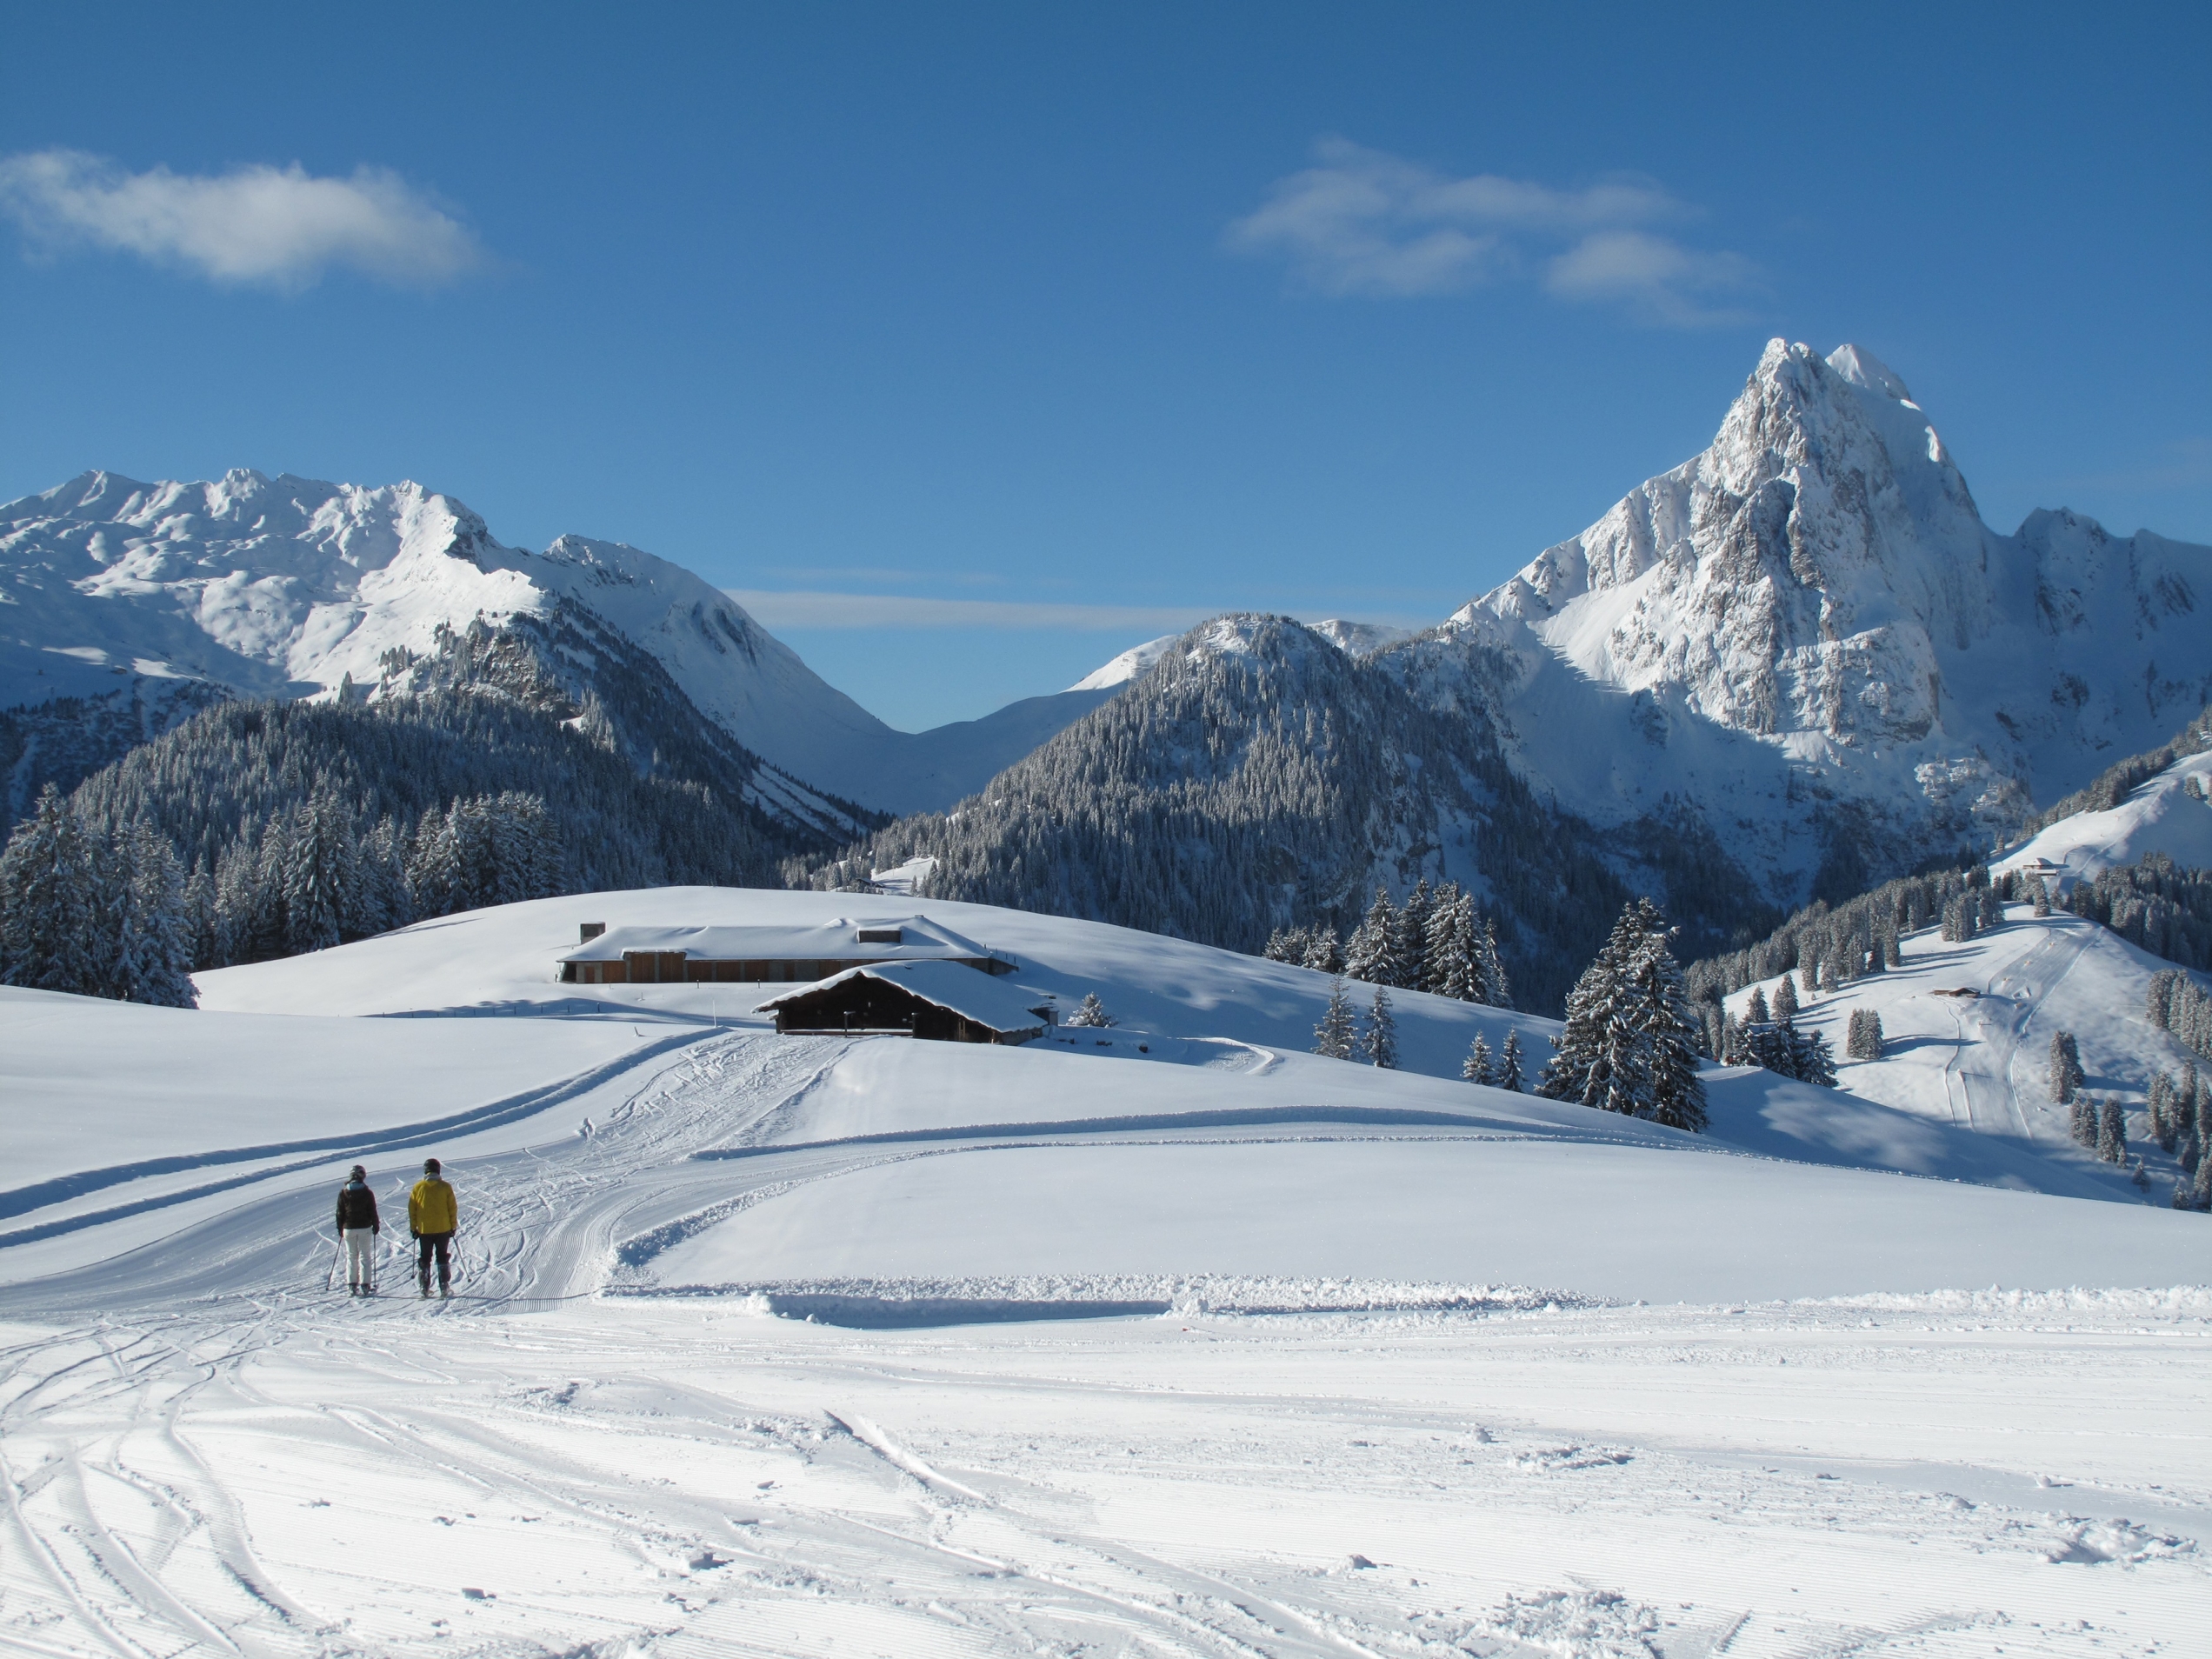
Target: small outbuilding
{"type": "Point", "coordinates": [764, 955]}
{"type": "Point", "coordinates": [941, 1002]}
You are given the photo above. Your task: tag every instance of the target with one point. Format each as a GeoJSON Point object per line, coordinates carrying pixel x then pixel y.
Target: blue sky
{"type": "Point", "coordinates": [1081, 322]}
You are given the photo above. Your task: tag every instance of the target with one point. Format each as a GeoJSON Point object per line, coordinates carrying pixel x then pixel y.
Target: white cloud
{"type": "Point", "coordinates": [262, 226]}
{"type": "Point", "coordinates": [1661, 279]}
{"type": "Point", "coordinates": [1366, 222]}
{"type": "Point", "coordinates": [777, 609]}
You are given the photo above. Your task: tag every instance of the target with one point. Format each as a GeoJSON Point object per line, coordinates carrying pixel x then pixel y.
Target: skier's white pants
{"type": "Point", "coordinates": [361, 1254]}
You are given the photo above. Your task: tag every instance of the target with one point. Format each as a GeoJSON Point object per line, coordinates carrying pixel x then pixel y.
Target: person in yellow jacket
{"type": "Point", "coordinates": [433, 1216]}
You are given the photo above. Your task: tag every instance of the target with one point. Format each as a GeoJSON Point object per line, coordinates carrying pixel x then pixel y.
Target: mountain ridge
{"type": "Point", "coordinates": [287, 587]}
{"type": "Point", "coordinates": [1811, 614]}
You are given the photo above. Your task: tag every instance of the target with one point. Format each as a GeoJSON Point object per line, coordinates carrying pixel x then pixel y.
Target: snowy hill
{"type": "Point", "coordinates": [288, 587]}
{"type": "Point", "coordinates": [456, 1033]}
{"type": "Point", "coordinates": [2169, 814]}
{"type": "Point", "coordinates": [1807, 635]}
{"type": "Point", "coordinates": [1979, 1061]}
{"type": "Point", "coordinates": [1193, 1342]}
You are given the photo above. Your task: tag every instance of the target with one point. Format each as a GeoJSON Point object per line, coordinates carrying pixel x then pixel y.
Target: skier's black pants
{"type": "Point", "coordinates": [427, 1244]}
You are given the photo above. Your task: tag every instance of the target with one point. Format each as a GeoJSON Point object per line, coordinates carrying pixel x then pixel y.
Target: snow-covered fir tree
{"type": "Point", "coordinates": [91, 913]}
{"type": "Point", "coordinates": [49, 902]}
{"type": "Point", "coordinates": [1369, 953]}
{"type": "Point", "coordinates": [1862, 1038]}
{"type": "Point", "coordinates": [2064, 1074]}
{"type": "Point", "coordinates": [1476, 1068]}
{"type": "Point", "coordinates": [153, 959]}
{"type": "Point", "coordinates": [1090, 1012]}
{"type": "Point", "coordinates": [1378, 1039]}
{"type": "Point", "coordinates": [1511, 1071]}
{"type": "Point", "coordinates": [2112, 1133]}
{"type": "Point", "coordinates": [1339, 1028]}
{"type": "Point", "coordinates": [1629, 1044]}
{"type": "Point", "coordinates": [2082, 1123]}
{"type": "Point", "coordinates": [1755, 1011]}
{"type": "Point", "coordinates": [1675, 1093]}
{"type": "Point", "coordinates": [1449, 949]}
{"type": "Point", "coordinates": [1410, 939]}
{"type": "Point", "coordinates": [1785, 1000]}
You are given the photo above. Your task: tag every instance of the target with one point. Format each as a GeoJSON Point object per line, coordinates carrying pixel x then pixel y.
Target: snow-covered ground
{"type": "Point", "coordinates": [2168, 813]}
{"type": "Point", "coordinates": [1193, 1344]}
{"type": "Point", "coordinates": [1980, 1062]}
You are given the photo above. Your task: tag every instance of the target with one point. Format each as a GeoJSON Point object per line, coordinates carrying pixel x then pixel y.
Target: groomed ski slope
{"type": "Point", "coordinates": [1367, 1362]}
{"type": "Point", "coordinates": [1980, 1062]}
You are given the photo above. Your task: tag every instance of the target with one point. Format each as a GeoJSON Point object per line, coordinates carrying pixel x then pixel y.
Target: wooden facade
{"type": "Point", "coordinates": [863, 1004]}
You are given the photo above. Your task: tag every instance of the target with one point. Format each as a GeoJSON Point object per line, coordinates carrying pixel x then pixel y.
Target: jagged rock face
{"type": "Point", "coordinates": [1819, 585]}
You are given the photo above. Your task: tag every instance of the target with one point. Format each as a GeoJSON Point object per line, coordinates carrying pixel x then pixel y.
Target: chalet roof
{"type": "Point", "coordinates": [920, 940]}
{"type": "Point", "coordinates": [977, 996]}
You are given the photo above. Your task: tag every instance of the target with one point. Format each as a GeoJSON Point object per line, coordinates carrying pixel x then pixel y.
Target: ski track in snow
{"type": "Point", "coordinates": [228, 1458]}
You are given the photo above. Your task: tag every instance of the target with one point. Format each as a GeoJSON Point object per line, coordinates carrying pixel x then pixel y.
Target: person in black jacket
{"type": "Point", "coordinates": [358, 1225]}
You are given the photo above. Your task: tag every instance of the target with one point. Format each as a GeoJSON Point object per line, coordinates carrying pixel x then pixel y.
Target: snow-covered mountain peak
{"type": "Point", "coordinates": [1862, 369]}
{"type": "Point", "coordinates": [1818, 585]}
{"type": "Point", "coordinates": [286, 586]}
{"type": "Point", "coordinates": [1132, 664]}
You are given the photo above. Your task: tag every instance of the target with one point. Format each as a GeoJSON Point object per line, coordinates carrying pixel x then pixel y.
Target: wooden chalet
{"type": "Point", "coordinates": [934, 1001]}
{"type": "Point", "coordinates": [608, 955]}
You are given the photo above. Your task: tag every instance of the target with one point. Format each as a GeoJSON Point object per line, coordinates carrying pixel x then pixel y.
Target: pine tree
{"type": "Point", "coordinates": [1449, 942]}
{"type": "Point", "coordinates": [1755, 1011]}
{"type": "Point", "coordinates": [2065, 1070]}
{"type": "Point", "coordinates": [321, 874]}
{"type": "Point", "coordinates": [1410, 939]}
{"type": "Point", "coordinates": [1862, 1039]}
{"type": "Point", "coordinates": [1378, 1042]}
{"type": "Point", "coordinates": [1091, 1012]}
{"type": "Point", "coordinates": [2039, 891]}
{"type": "Point", "coordinates": [2083, 1123]}
{"type": "Point", "coordinates": [1368, 953]}
{"type": "Point", "coordinates": [1491, 984]}
{"type": "Point", "coordinates": [1476, 1069]}
{"type": "Point", "coordinates": [1597, 1061]}
{"type": "Point", "coordinates": [155, 966]}
{"type": "Point", "coordinates": [1627, 1044]}
{"type": "Point", "coordinates": [1785, 1002]}
{"type": "Point", "coordinates": [50, 902]}
{"type": "Point", "coordinates": [1334, 1035]}
{"type": "Point", "coordinates": [1509, 1077]}
{"type": "Point", "coordinates": [2112, 1133]}
{"type": "Point", "coordinates": [1676, 1094]}
{"type": "Point", "coordinates": [1324, 954]}
{"type": "Point", "coordinates": [1810, 1059]}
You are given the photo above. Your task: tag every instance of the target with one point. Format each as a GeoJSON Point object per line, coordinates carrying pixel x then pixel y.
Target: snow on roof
{"type": "Point", "coordinates": [973, 996]}
{"type": "Point", "coordinates": [919, 939]}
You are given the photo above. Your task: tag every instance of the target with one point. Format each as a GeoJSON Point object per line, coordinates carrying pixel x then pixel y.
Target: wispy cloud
{"type": "Point", "coordinates": [1659, 279]}
{"type": "Point", "coordinates": [777, 610]}
{"type": "Point", "coordinates": [261, 226]}
{"type": "Point", "coordinates": [1364, 222]}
